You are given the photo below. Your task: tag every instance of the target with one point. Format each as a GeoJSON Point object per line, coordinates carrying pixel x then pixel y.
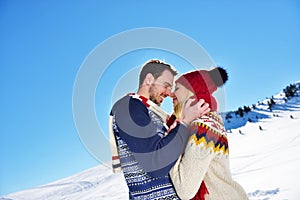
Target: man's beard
{"type": "Point", "coordinates": [153, 95]}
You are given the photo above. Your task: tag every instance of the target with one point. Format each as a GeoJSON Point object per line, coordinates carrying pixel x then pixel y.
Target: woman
{"type": "Point", "coordinates": [203, 172]}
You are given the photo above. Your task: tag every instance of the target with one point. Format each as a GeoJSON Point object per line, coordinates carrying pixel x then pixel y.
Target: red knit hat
{"type": "Point", "coordinates": [203, 83]}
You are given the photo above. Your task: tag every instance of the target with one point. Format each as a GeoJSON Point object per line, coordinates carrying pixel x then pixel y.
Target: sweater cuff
{"type": "Point", "coordinates": [184, 124]}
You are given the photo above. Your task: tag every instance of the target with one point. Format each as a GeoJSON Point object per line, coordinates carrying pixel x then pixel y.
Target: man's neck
{"type": "Point", "coordinates": [143, 91]}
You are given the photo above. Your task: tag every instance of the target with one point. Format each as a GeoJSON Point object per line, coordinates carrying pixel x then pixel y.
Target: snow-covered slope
{"type": "Point", "coordinates": [96, 183]}
{"type": "Point", "coordinates": [265, 162]}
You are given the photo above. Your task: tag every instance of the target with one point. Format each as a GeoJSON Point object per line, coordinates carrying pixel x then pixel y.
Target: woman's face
{"type": "Point", "coordinates": [180, 94]}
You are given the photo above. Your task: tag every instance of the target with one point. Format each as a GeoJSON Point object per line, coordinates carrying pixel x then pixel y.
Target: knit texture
{"type": "Point", "coordinates": [200, 195]}
{"type": "Point", "coordinates": [116, 166]}
{"type": "Point", "coordinates": [206, 158]}
{"type": "Point", "coordinates": [140, 184]}
{"type": "Point", "coordinates": [203, 83]}
{"type": "Point", "coordinates": [151, 136]}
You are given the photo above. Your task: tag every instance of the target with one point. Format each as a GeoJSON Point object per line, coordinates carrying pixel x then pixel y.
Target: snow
{"type": "Point", "coordinates": [265, 162]}
{"type": "Point", "coordinates": [96, 183]}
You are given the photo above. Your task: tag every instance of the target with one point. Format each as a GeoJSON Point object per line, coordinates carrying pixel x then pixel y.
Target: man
{"type": "Point", "coordinates": [145, 152]}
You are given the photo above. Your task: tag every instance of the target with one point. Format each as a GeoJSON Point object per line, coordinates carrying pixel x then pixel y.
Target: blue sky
{"type": "Point", "coordinates": [44, 43]}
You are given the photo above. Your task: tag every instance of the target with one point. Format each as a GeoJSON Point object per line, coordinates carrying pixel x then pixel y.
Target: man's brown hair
{"type": "Point", "coordinates": [156, 68]}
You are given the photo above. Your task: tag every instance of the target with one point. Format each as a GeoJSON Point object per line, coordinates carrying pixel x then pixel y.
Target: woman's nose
{"type": "Point", "coordinates": [172, 95]}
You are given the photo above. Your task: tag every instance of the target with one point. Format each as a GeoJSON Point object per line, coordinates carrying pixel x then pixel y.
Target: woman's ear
{"type": "Point", "coordinates": [149, 79]}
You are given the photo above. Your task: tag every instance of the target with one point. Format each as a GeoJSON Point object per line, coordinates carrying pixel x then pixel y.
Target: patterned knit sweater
{"type": "Point", "coordinates": [145, 151]}
{"type": "Point", "coordinates": [206, 159]}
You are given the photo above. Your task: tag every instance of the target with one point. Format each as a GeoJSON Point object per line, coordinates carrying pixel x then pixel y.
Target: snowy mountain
{"type": "Point", "coordinates": [263, 142]}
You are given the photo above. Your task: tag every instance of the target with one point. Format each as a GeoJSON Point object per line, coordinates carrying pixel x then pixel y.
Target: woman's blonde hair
{"type": "Point", "coordinates": [179, 107]}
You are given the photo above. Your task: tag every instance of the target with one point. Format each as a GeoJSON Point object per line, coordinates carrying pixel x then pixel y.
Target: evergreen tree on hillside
{"type": "Point", "coordinates": [290, 90]}
{"type": "Point", "coordinates": [247, 109]}
{"type": "Point", "coordinates": [271, 103]}
{"type": "Point", "coordinates": [240, 111]}
{"type": "Point", "coordinates": [228, 116]}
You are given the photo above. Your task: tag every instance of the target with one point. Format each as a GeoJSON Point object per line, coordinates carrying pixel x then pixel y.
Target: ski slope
{"type": "Point", "coordinates": [265, 162]}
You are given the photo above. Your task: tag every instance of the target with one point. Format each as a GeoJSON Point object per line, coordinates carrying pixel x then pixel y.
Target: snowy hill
{"type": "Point", "coordinates": [95, 183]}
{"type": "Point", "coordinates": [264, 161]}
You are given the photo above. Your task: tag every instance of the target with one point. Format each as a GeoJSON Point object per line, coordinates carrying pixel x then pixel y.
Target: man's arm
{"type": "Point", "coordinates": [154, 152]}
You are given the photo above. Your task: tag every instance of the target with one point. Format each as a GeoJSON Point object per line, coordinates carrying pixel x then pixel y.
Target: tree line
{"type": "Point", "coordinates": [290, 91]}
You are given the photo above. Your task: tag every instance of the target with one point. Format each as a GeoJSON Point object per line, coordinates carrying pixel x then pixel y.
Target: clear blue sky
{"type": "Point", "coordinates": [43, 44]}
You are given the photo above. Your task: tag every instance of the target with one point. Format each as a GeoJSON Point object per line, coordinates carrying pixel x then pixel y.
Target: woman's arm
{"type": "Point", "coordinates": [188, 172]}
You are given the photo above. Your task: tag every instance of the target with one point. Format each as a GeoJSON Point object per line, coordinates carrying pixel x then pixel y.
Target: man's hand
{"type": "Point", "coordinates": [193, 109]}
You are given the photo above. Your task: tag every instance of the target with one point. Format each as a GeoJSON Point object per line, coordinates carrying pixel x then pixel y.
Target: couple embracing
{"type": "Point", "coordinates": [182, 156]}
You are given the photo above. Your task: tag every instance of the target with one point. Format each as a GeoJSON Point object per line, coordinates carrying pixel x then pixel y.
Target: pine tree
{"type": "Point", "coordinates": [271, 103]}
{"type": "Point", "coordinates": [247, 109]}
{"type": "Point", "coordinates": [290, 90]}
{"type": "Point", "coordinates": [240, 111]}
{"type": "Point", "coordinates": [228, 116]}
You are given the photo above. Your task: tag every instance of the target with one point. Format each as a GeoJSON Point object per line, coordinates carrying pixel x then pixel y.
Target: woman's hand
{"type": "Point", "coordinates": [193, 109]}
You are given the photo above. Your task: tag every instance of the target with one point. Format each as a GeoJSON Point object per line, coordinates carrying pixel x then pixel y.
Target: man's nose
{"type": "Point", "coordinates": [168, 91]}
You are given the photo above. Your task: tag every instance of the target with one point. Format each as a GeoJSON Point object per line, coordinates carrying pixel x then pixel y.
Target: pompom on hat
{"type": "Point", "coordinates": [203, 83]}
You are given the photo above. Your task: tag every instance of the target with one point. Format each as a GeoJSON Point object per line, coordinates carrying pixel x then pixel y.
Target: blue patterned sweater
{"type": "Point", "coordinates": [146, 154]}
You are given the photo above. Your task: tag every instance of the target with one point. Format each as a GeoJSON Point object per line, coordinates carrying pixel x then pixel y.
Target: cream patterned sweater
{"type": "Point", "coordinates": [206, 158]}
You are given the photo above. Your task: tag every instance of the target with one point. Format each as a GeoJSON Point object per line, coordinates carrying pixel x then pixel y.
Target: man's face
{"type": "Point", "coordinates": [161, 87]}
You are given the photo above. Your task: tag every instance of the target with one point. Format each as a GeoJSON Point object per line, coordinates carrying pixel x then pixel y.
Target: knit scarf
{"type": "Point", "coordinates": [151, 106]}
